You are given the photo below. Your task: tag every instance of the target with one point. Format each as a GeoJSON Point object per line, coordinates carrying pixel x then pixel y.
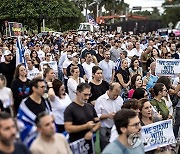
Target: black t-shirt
{"type": "Point", "coordinates": [20, 91]}
{"type": "Point", "coordinates": [98, 90]}
{"type": "Point", "coordinates": [175, 55]}
{"type": "Point", "coordinates": [34, 107]}
{"type": "Point", "coordinates": [19, 149]}
{"type": "Point", "coordinates": [81, 69]}
{"type": "Point", "coordinates": [99, 57]}
{"type": "Point", "coordinates": [79, 115]}
{"type": "Point", "coordinates": [8, 71]}
{"type": "Point", "coordinates": [125, 74]}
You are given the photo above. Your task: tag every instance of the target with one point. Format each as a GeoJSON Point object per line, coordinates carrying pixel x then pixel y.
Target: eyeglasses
{"type": "Point", "coordinates": [87, 94]}
{"type": "Point", "coordinates": [88, 43]}
{"type": "Point", "coordinates": [138, 124]}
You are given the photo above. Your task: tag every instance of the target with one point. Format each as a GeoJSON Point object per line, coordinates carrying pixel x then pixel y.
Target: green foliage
{"type": "Point", "coordinates": [171, 14]}
{"type": "Point", "coordinates": [59, 14]}
{"type": "Point", "coordinates": [154, 15]}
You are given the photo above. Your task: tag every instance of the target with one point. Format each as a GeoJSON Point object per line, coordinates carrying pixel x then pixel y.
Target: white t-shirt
{"type": "Point", "coordinates": [41, 55]}
{"type": "Point", "coordinates": [6, 97]}
{"type": "Point", "coordinates": [107, 68]}
{"type": "Point", "coordinates": [72, 86]}
{"type": "Point", "coordinates": [88, 69]}
{"type": "Point", "coordinates": [135, 52]}
{"type": "Point", "coordinates": [58, 107]}
{"type": "Point", "coordinates": [32, 73]}
{"type": "Point", "coordinates": [65, 64]}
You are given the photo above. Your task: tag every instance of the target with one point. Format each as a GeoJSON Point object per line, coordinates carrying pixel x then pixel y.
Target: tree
{"type": "Point", "coordinates": [154, 14]}
{"type": "Point", "coordinates": [171, 14]}
{"type": "Point", "coordinates": [58, 13]}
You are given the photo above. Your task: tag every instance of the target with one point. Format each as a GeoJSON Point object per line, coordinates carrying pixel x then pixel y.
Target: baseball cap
{"type": "Point", "coordinates": [75, 54]}
{"type": "Point", "coordinates": [31, 44]}
{"type": "Point", "coordinates": [7, 52]}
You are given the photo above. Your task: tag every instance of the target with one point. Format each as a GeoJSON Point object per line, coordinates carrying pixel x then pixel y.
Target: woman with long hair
{"type": "Point", "coordinates": [20, 85]}
{"type": "Point", "coordinates": [35, 58]}
{"type": "Point", "coordinates": [6, 96]}
{"type": "Point", "coordinates": [123, 77]}
{"type": "Point", "coordinates": [154, 55]}
{"type": "Point", "coordinates": [136, 82]}
{"type": "Point", "coordinates": [59, 100]}
{"type": "Point", "coordinates": [145, 114]}
{"type": "Point", "coordinates": [134, 67]}
{"type": "Point", "coordinates": [100, 54]}
{"type": "Point", "coordinates": [98, 85]}
{"type": "Point", "coordinates": [74, 81]}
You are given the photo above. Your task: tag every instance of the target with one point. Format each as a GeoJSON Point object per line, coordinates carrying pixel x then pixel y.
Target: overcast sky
{"type": "Point", "coordinates": [145, 3]}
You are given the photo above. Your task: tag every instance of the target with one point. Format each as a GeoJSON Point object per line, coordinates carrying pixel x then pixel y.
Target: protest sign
{"type": "Point", "coordinates": [15, 29]}
{"type": "Point", "coordinates": [158, 134]}
{"type": "Point", "coordinates": [82, 146]}
{"type": "Point", "coordinates": [52, 64]}
{"type": "Point", "coordinates": [167, 67]}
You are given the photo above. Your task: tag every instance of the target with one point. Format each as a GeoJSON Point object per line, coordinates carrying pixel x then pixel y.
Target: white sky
{"type": "Point", "coordinates": [145, 3]}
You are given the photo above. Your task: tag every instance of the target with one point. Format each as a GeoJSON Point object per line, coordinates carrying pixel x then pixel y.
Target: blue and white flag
{"type": "Point", "coordinates": [91, 20]}
{"type": "Point", "coordinates": [19, 52]}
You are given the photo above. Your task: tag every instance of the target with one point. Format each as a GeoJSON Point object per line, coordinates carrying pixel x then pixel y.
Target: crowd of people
{"type": "Point", "coordinates": [72, 86]}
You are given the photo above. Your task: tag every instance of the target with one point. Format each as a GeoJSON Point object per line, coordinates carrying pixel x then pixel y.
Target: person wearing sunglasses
{"type": "Point", "coordinates": [29, 109]}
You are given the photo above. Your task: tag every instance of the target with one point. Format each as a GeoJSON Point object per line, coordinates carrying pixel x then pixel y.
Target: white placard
{"type": "Point", "coordinates": [158, 134]}
{"type": "Point", "coordinates": [167, 67]}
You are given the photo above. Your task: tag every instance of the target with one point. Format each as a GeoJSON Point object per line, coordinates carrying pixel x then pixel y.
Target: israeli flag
{"type": "Point", "coordinates": [91, 20]}
{"type": "Point", "coordinates": [19, 52]}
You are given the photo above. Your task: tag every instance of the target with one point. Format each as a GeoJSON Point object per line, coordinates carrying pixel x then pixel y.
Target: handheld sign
{"type": "Point", "coordinates": [158, 134]}
{"type": "Point", "coordinates": [167, 67]}
{"type": "Point", "coordinates": [15, 29]}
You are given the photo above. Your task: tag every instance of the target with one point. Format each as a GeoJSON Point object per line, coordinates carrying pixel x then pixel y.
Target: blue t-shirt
{"type": "Point", "coordinates": [117, 147]}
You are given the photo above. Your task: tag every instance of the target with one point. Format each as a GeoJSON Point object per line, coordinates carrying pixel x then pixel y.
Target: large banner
{"type": "Point", "coordinates": [158, 134]}
{"type": "Point", "coordinates": [167, 67]}
{"type": "Point", "coordinates": [15, 29]}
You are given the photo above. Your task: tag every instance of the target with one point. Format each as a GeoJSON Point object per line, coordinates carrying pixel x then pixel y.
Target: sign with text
{"type": "Point", "coordinates": [15, 29]}
{"type": "Point", "coordinates": [52, 64]}
{"type": "Point", "coordinates": [158, 134]}
{"type": "Point", "coordinates": [167, 67]}
{"type": "Point", "coordinates": [82, 146]}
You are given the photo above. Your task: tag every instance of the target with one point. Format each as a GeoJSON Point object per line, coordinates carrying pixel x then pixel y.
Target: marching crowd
{"type": "Point", "coordinates": [70, 86]}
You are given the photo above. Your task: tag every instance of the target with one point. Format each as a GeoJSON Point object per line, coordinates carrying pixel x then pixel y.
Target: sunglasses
{"type": "Point", "coordinates": [48, 55]}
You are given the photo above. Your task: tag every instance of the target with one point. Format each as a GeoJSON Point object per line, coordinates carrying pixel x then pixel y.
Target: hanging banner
{"type": "Point", "coordinates": [158, 134]}
{"type": "Point", "coordinates": [15, 29]}
{"type": "Point", "coordinates": [167, 67]}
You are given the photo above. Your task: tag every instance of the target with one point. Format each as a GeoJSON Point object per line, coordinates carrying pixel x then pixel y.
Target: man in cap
{"type": "Point", "coordinates": [7, 68]}
{"type": "Point", "coordinates": [75, 62]}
